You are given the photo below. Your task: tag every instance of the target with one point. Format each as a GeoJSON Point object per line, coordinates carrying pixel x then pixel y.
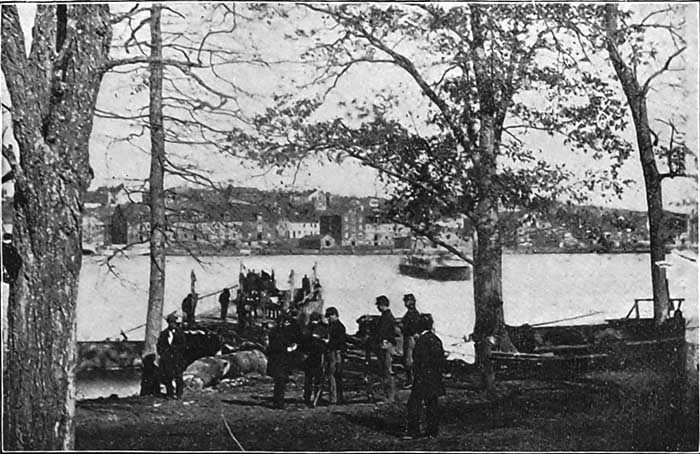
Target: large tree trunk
{"type": "Point", "coordinates": [156, 288]}
{"type": "Point", "coordinates": [53, 94]}
{"type": "Point", "coordinates": [489, 326]}
{"type": "Point", "coordinates": [636, 97]}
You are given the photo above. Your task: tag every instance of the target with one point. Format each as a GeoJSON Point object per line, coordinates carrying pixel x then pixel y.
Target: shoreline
{"type": "Point", "coordinates": [364, 252]}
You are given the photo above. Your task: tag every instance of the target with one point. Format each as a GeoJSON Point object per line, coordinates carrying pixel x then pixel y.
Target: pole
{"type": "Point", "coordinates": [193, 292]}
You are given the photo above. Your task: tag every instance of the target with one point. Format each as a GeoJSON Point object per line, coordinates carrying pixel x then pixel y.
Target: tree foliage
{"type": "Point", "coordinates": [515, 64]}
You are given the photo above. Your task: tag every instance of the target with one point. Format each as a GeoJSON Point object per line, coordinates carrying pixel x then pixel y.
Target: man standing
{"type": "Point", "coordinates": [188, 309]}
{"type": "Point", "coordinates": [410, 330]}
{"type": "Point", "coordinates": [337, 345]}
{"type": "Point", "coordinates": [384, 342]}
{"type": "Point", "coordinates": [224, 299]}
{"type": "Point", "coordinates": [305, 285]}
{"type": "Point", "coordinates": [314, 346]}
{"type": "Point", "coordinates": [429, 358]}
{"type": "Point", "coordinates": [243, 309]}
{"type": "Point", "coordinates": [284, 337]}
{"type": "Point", "coordinates": [171, 348]}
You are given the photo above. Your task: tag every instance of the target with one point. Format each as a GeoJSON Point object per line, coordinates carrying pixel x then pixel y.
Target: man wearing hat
{"type": "Point", "coordinates": [283, 339]}
{"type": "Point", "coordinates": [314, 346]}
{"type": "Point", "coordinates": [171, 348]}
{"type": "Point", "coordinates": [410, 330]}
{"type": "Point", "coordinates": [385, 341]}
{"type": "Point", "coordinates": [337, 344]}
{"type": "Point", "coordinates": [429, 358]}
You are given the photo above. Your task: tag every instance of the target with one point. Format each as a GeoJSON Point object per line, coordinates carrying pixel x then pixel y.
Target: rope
{"type": "Point", "coordinates": [123, 332]}
{"type": "Point", "coordinates": [229, 431]}
{"type": "Point", "coordinates": [568, 318]}
{"type": "Point", "coordinates": [215, 292]}
{"type": "Point", "coordinates": [690, 259]}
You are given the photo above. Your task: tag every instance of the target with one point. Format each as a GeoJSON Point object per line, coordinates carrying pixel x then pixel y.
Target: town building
{"type": "Point", "coordinates": [316, 197]}
{"type": "Point", "coordinates": [108, 196]}
{"type": "Point", "coordinates": [331, 224]}
{"type": "Point", "coordinates": [353, 228]}
{"type": "Point", "coordinates": [299, 226]}
{"type": "Point", "coordinates": [379, 232]}
{"type": "Point", "coordinates": [95, 226]}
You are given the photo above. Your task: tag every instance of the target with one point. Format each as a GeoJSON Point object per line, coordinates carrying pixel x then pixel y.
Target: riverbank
{"type": "Point", "coordinates": [636, 411]}
{"type": "Point", "coordinates": [230, 252]}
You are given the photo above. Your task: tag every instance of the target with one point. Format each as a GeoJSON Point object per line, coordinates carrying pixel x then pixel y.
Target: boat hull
{"type": "Point", "coordinates": [565, 351]}
{"type": "Point", "coordinates": [440, 273]}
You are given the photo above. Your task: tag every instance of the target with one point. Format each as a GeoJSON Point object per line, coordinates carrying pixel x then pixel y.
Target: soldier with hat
{"type": "Point", "coordinates": [410, 330]}
{"type": "Point", "coordinates": [337, 345]}
{"type": "Point", "coordinates": [283, 339]}
{"type": "Point", "coordinates": [314, 345]}
{"type": "Point", "coordinates": [171, 349]}
{"type": "Point", "coordinates": [384, 343]}
{"type": "Point", "coordinates": [429, 358]}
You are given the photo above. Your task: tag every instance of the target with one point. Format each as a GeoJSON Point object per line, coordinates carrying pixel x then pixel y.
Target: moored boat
{"type": "Point", "coordinates": [568, 350]}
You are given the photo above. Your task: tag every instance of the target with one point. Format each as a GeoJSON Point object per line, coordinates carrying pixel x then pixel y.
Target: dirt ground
{"type": "Point", "coordinates": [602, 412]}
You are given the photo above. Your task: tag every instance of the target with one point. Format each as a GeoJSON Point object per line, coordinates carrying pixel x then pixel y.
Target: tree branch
{"type": "Point", "coordinates": [645, 87]}
{"type": "Point", "coordinates": [184, 66]}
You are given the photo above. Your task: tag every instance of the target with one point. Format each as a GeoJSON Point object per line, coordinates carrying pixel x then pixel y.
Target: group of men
{"type": "Point", "coordinates": [424, 358]}
{"type": "Point", "coordinates": [320, 348]}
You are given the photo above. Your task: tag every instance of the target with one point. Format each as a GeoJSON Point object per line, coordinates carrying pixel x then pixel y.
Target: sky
{"type": "Point", "coordinates": [115, 161]}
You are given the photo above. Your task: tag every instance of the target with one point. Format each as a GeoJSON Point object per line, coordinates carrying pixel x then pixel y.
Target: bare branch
{"type": "Point", "coordinates": [182, 65]}
{"type": "Point", "coordinates": [645, 87]}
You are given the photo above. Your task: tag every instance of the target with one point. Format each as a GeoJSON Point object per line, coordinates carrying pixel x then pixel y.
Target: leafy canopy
{"type": "Point", "coordinates": [514, 71]}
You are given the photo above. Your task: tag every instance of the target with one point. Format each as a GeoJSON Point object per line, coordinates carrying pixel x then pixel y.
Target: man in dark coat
{"type": "Point", "coordinates": [188, 309]}
{"type": "Point", "coordinates": [410, 331]}
{"type": "Point", "coordinates": [314, 346]}
{"type": "Point", "coordinates": [428, 358]}
{"type": "Point", "coordinates": [224, 300]}
{"type": "Point", "coordinates": [283, 342]}
{"type": "Point", "coordinates": [171, 349]}
{"type": "Point", "coordinates": [384, 343]}
{"type": "Point", "coordinates": [337, 345]}
{"type": "Point", "coordinates": [305, 285]}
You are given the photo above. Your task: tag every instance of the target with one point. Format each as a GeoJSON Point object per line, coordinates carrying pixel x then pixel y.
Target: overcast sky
{"type": "Point", "coordinates": [115, 161]}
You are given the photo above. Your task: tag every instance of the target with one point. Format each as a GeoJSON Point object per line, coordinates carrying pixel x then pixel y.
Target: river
{"type": "Point", "coordinates": [536, 288]}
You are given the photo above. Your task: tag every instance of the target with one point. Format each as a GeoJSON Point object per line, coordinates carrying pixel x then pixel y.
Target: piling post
{"type": "Point", "coordinates": [193, 292]}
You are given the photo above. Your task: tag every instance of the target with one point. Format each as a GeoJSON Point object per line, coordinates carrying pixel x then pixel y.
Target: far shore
{"type": "Point", "coordinates": [219, 252]}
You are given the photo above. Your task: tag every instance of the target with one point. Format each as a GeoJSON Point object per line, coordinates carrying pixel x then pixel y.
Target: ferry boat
{"type": "Point", "coordinates": [433, 263]}
{"type": "Point", "coordinates": [435, 267]}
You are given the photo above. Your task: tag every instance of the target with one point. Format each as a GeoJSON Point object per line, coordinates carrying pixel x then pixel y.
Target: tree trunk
{"type": "Point", "coordinates": [53, 94]}
{"type": "Point", "coordinates": [489, 326]}
{"type": "Point", "coordinates": [156, 288]}
{"type": "Point", "coordinates": [636, 97]}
